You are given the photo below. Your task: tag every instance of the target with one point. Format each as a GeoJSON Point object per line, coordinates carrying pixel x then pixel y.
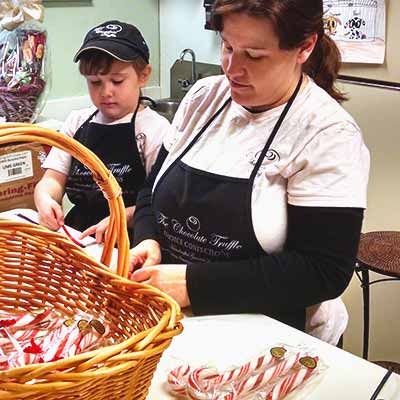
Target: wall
{"type": "Point", "coordinates": [67, 27]}
{"type": "Point", "coordinates": [182, 26]}
{"type": "Point", "coordinates": [376, 110]}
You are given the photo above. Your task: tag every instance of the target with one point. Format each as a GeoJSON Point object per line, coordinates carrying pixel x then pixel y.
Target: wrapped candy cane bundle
{"type": "Point", "coordinates": [267, 377]}
{"type": "Point", "coordinates": [290, 382]}
{"type": "Point", "coordinates": [201, 380]}
{"type": "Point", "coordinates": [208, 379]}
{"type": "Point", "coordinates": [62, 339]}
{"type": "Point", "coordinates": [27, 326]}
{"type": "Point", "coordinates": [196, 382]}
{"type": "Point", "coordinates": [264, 361]}
{"type": "Point", "coordinates": [255, 382]}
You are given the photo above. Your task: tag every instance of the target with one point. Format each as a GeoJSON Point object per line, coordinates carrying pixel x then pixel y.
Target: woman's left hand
{"type": "Point", "coordinates": [170, 278]}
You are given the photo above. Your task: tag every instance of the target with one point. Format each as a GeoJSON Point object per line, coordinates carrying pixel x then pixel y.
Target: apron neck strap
{"type": "Point", "coordinates": [275, 130]}
{"type": "Point", "coordinates": [204, 128]}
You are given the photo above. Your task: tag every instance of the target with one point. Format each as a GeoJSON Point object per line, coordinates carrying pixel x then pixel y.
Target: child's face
{"type": "Point", "coordinates": [116, 93]}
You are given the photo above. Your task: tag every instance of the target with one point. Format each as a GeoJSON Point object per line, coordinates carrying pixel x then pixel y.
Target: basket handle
{"type": "Point", "coordinates": [117, 229]}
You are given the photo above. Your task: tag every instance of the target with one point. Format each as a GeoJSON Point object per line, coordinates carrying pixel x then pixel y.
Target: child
{"type": "Point", "coordinates": [114, 59]}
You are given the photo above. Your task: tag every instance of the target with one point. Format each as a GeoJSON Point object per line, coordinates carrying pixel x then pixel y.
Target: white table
{"type": "Point", "coordinates": [229, 340]}
{"type": "Point", "coordinates": [94, 250]}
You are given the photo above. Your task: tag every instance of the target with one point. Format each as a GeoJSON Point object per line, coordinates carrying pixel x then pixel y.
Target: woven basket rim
{"type": "Point", "coordinates": [146, 343]}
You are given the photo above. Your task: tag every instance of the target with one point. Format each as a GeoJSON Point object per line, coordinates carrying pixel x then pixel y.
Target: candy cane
{"type": "Point", "coordinates": [177, 379]}
{"type": "Point", "coordinates": [250, 367]}
{"type": "Point", "coordinates": [4, 362]}
{"type": "Point", "coordinates": [200, 382]}
{"type": "Point", "coordinates": [255, 382]}
{"type": "Point", "coordinates": [288, 383]}
{"type": "Point", "coordinates": [24, 319]}
{"type": "Point", "coordinates": [28, 334]}
{"type": "Point", "coordinates": [25, 327]}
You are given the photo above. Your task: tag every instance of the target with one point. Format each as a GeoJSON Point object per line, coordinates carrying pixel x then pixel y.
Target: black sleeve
{"type": "Point", "coordinates": [144, 223]}
{"type": "Point", "coordinates": [316, 265]}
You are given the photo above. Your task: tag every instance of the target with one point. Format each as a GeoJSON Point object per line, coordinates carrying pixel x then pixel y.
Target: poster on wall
{"type": "Point", "coordinates": [359, 29]}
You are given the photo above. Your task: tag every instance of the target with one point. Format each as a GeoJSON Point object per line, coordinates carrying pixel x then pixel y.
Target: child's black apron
{"type": "Point", "coordinates": [116, 146]}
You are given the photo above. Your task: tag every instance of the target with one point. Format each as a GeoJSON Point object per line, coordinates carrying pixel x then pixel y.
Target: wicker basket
{"type": "Point", "coordinates": [21, 104]}
{"type": "Point", "coordinates": [41, 268]}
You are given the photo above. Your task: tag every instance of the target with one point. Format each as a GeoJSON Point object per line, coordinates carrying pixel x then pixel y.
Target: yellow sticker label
{"type": "Point", "coordinates": [278, 352]}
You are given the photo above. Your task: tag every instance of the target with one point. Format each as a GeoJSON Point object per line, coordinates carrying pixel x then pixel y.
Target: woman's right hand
{"type": "Point", "coordinates": [145, 254]}
{"type": "Point", "coordinates": [51, 214]}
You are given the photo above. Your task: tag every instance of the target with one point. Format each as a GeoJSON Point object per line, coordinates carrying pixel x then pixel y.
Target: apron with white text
{"type": "Point", "coordinates": [206, 217]}
{"type": "Point", "coordinates": [116, 146]}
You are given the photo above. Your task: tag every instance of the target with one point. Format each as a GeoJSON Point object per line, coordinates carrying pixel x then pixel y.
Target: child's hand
{"type": "Point", "coordinates": [99, 230]}
{"type": "Point", "coordinates": [51, 214]}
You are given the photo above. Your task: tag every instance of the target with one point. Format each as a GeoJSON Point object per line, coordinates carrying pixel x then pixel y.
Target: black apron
{"type": "Point", "coordinates": [205, 217]}
{"type": "Point", "coordinates": [116, 146]}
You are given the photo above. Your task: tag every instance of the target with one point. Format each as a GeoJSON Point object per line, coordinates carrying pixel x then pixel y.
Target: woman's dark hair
{"type": "Point", "coordinates": [294, 21]}
{"type": "Point", "coordinates": [93, 62]}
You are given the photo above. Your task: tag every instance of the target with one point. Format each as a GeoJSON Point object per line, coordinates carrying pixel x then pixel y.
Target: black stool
{"type": "Point", "coordinates": [378, 252]}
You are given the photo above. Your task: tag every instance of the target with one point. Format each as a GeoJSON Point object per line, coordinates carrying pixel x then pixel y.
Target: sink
{"type": "Point", "coordinates": [166, 107]}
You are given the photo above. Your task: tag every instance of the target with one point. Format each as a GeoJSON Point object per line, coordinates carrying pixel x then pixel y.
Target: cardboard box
{"type": "Point", "coordinates": [20, 171]}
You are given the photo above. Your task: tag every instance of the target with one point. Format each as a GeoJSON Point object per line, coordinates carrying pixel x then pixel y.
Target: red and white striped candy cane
{"type": "Point", "coordinates": [256, 382]}
{"type": "Point", "coordinates": [23, 320]}
{"type": "Point", "coordinates": [25, 335]}
{"type": "Point", "coordinates": [58, 343]}
{"type": "Point", "coordinates": [250, 367]}
{"type": "Point", "coordinates": [27, 326]}
{"type": "Point", "coordinates": [177, 380]}
{"type": "Point", "coordinates": [91, 340]}
{"type": "Point", "coordinates": [237, 374]}
{"type": "Point", "coordinates": [288, 383]}
{"type": "Point", "coordinates": [70, 344]}
{"type": "Point", "coordinates": [200, 383]}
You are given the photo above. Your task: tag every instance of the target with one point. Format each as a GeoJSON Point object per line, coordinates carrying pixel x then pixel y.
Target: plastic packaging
{"type": "Point", "coordinates": [271, 376]}
{"type": "Point", "coordinates": [24, 60]}
{"type": "Point", "coordinates": [45, 336]}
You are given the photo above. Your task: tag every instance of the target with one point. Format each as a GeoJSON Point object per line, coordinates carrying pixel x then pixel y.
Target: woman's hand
{"type": "Point", "coordinates": [51, 214]}
{"type": "Point", "coordinates": [100, 230]}
{"type": "Point", "coordinates": [145, 254]}
{"type": "Point", "coordinates": [170, 278]}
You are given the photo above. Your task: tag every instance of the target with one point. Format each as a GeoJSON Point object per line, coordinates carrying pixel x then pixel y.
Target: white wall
{"type": "Point", "coordinates": [182, 26]}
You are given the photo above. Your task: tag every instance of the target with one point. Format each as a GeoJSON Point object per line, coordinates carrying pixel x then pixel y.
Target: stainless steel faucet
{"type": "Point", "coordinates": [186, 84]}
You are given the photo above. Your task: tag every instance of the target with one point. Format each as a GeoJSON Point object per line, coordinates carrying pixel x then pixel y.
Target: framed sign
{"type": "Point", "coordinates": [67, 3]}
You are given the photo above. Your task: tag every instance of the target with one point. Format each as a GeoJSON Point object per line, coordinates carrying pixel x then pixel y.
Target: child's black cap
{"type": "Point", "coordinates": [122, 41]}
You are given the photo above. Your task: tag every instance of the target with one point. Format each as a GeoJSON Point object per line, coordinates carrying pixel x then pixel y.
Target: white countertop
{"type": "Point", "coordinates": [95, 250]}
{"type": "Point", "coordinates": [229, 340]}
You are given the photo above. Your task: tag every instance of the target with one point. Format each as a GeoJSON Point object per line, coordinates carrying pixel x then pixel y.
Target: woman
{"type": "Point", "coordinates": [256, 203]}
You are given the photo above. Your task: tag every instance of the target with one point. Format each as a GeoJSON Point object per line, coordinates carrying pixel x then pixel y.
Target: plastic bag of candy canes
{"type": "Point", "coordinates": [270, 376]}
{"type": "Point", "coordinates": [45, 335]}
{"type": "Point", "coordinates": [24, 60]}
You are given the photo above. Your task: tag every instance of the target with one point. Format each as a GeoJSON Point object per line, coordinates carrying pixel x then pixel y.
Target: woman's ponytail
{"type": "Point", "coordinates": [323, 66]}
{"type": "Point", "coordinates": [294, 21]}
